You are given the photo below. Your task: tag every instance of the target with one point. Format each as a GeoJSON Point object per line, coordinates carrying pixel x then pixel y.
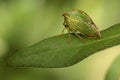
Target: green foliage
{"type": "Point", "coordinates": [56, 52]}
{"type": "Point", "coordinates": [114, 71]}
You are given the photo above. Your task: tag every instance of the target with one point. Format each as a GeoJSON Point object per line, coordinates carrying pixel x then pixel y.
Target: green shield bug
{"type": "Point", "coordinates": [78, 22]}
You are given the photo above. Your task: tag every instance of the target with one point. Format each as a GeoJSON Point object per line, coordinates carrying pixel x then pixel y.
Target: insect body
{"type": "Point", "coordinates": [77, 21]}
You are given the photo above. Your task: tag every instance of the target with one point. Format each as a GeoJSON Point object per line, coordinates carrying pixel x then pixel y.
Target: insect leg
{"type": "Point", "coordinates": [68, 35]}
{"type": "Point", "coordinates": [62, 32]}
{"type": "Point", "coordinates": [78, 36]}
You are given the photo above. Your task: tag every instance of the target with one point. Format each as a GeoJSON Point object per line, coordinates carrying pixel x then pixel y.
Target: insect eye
{"type": "Point", "coordinates": [66, 25]}
{"type": "Point", "coordinates": [92, 22]}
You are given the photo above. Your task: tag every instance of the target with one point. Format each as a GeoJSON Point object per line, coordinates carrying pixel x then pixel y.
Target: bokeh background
{"type": "Point", "coordinates": [25, 22]}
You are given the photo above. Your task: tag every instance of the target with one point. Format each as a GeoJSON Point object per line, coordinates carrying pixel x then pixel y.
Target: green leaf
{"type": "Point", "coordinates": [114, 71]}
{"type": "Point", "coordinates": [56, 52]}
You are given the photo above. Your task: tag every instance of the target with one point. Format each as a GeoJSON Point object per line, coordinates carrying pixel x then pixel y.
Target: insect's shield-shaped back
{"type": "Point", "coordinates": [78, 20]}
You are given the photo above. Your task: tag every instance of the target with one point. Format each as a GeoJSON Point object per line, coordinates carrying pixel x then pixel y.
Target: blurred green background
{"type": "Point", "coordinates": [25, 22]}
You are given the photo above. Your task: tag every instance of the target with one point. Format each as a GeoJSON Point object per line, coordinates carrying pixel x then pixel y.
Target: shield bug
{"type": "Point", "coordinates": [78, 22]}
